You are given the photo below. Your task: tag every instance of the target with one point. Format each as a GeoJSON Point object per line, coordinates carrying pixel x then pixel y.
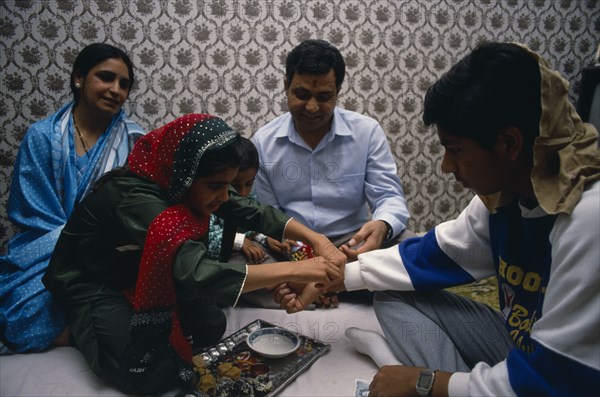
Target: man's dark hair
{"type": "Point", "coordinates": [497, 85]}
{"type": "Point", "coordinates": [315, 57]}
{"type": "Point", "coordinates": [91, 56]}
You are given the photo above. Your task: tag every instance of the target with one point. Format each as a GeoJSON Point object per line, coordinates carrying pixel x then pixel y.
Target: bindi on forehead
{"type": "Point", "coordinates": [315, 82]}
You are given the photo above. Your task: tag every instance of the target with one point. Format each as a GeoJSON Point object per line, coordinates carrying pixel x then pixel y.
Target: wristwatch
{"type": "Point", "coordinates": [425, 383]}
{"type": "Point", "coordinates": [390, 232]}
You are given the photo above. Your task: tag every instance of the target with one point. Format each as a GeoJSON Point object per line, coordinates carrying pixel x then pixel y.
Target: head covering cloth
{"type": "Point", "coordinates": [566, 156]}
{"type": "Point", "coordinates": [169, 156]}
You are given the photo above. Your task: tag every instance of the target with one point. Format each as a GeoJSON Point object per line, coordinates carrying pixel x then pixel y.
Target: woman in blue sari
{"type": "Point", "coordinates": [58, 161]}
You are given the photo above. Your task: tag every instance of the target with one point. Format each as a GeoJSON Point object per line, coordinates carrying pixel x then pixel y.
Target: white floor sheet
{"type": "Point", "coordinates": [63, 371]}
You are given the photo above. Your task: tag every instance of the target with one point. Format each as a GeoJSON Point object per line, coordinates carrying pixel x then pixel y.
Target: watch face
{"type": "Point", "coordinates": [424, 380]}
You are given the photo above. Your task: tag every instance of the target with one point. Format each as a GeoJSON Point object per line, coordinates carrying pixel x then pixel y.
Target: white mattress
{"type": "Point", "coordinates": [63, 371]}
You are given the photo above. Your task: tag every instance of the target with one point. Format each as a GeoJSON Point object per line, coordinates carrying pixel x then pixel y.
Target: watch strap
{"type": "Point", "coordinates": [390, 232]}
{"type": "Point", "coordinates": [425, 383]}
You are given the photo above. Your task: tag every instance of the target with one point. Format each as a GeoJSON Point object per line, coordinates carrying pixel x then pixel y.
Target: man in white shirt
{"type": "Point", "coordinates": [329, 168]}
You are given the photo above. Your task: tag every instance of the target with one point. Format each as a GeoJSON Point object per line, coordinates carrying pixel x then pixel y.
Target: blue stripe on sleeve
{"type": "Point", "coordinates": [428, 266]}
{"type": "Point", "coordinates": [547, 373]}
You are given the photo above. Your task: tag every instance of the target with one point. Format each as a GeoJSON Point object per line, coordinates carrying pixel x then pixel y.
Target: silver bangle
{"type": "Point", "coordinates": [260, 238]}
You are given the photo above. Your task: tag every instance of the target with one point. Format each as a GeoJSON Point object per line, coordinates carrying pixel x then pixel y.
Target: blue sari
{"type": "Point", "coordinates": [48, 180]}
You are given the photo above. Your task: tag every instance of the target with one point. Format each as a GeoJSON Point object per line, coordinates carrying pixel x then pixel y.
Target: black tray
{"type": "Point", "coordinates": [282, 371]}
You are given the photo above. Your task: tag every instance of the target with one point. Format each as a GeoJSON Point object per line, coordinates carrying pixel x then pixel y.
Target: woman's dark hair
{"type": "Point", "coordinates": [249, 154]}
{"type": "Point", "coordinates": [219, 159]}
{"type": "Point", "coordinates": [91, 56]}
{"type": "Point", "coordinates": [498, 85]}
{"type": "Point", "coordinates": [315, 57]}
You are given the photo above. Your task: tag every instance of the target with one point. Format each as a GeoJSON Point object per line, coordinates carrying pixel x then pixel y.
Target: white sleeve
{"type": "Point", "coordinates": [466, 240]}
{"type": "Point", "coordinates": [382, 184]}
{"type": "Point", "coordinates": [570, 325]}
{"type": "Point", "coordinates": [455, 252]}
{"type": "Point", "coordinates": [262, 183]}
{"type": "Point", "coordinates": [483, 380]}
{"type": "Point", "coordinates": [377, 270]}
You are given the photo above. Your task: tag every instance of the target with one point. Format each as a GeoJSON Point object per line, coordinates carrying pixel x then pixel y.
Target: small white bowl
{"type": "Point", "coordinates": [273, 342]}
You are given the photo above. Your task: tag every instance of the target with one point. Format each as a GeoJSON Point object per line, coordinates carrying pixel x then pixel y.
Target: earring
{"type": "Point", "coordinates": [77, 85]}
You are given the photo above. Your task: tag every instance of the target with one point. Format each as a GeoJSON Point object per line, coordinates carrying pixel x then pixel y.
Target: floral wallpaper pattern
{"type": "Point", "coordinates": [226, 57]}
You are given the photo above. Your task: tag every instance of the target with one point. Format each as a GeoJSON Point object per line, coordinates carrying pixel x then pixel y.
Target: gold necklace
{"type": "Point", "coordinates": [80, 135]}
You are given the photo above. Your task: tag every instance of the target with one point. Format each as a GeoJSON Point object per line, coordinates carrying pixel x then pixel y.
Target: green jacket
{"type": "Point", "coordinates": [101, 244]}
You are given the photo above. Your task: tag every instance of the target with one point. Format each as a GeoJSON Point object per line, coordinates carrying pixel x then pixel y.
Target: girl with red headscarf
{"type": "Point", "coordinates": [129, 266]}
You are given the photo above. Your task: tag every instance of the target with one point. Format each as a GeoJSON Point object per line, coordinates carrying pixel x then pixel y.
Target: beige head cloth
{"type": "Point", "coordinates": [565, 154]}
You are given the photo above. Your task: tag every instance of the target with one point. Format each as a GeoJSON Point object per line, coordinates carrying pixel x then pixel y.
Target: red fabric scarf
{"type": "Point", "coordinates": [154, 288]}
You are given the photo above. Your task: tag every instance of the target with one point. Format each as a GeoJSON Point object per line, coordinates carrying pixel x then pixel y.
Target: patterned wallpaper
{"type": "Point", "coordinates": [226, 57]}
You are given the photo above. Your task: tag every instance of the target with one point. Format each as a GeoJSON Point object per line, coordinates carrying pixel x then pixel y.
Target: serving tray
{"type": "Point", "coordinates": [280, 371]}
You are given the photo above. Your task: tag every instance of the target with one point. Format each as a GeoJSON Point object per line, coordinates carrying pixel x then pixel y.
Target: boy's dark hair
{"type": "Point", "coordinates": [249, 154]}
{"type": "Point", "coordinates": [91, 56]}
{"type": "Point", "coordinates": [498, 85]}
{"type": "Point", "coordinates": [315, 57]}
{"type": "Point", "coordinates": [219, 159]}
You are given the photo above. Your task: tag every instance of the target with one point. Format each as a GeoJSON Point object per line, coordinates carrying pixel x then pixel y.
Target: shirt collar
{"type": "Point", "coordinates": [339, 126]}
